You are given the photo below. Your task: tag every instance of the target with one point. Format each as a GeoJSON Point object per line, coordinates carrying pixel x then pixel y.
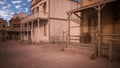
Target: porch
{"type": "Point", "coordinates": [35, 31]}
{"type": "Point", "coordinates": [97, 20]}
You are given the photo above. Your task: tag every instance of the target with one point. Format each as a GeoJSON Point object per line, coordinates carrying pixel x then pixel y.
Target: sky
{"type": "Point", "coordinates": [9, 7]}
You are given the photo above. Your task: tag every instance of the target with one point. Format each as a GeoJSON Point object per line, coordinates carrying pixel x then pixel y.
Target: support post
{"type": "Point", "coordinates": [69, 14]}
{"type": "Point", "coordinates": [32, 31]}
{"type": "Point", "coordinates": [27, 33]}
{"type": "Point", "coordinates": [38, 29]}
{"type": "Point", "coordinates": [110, 50]}
{"type": "Point", "coordinates": [98, 8]}
{"type": "Point", "coordinates": [81, 26]}
{"type": "Point", "coordinates": [99, 28]}
{"type": "Point", "coordinates": [21, 31]}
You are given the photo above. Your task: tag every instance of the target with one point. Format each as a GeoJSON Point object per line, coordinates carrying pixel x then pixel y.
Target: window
{"type": "Point", "coordinates": [16, 25]}
{"type": "Point", "coordinates": [37, 8]}
{"type": "Point", "coordinates": [3, 25]}
{"type": "Point", "coordinates": [44, 8]}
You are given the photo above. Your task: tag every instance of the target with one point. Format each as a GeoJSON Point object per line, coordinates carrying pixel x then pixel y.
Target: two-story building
{"type": "Point", "coordinates": [3, 25]}
{"type": "Point", "coordinates": [47, 21]}
{"type": "Point", "coordinates": [100, 25]}
{"type": "Point", "coordinates": [14, 31]}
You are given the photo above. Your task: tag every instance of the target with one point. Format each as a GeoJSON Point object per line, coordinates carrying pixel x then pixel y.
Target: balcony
{"type": "Point", "coordinates": [35, 15]}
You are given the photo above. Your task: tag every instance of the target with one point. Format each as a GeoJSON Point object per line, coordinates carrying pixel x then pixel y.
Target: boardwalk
{"type": "Point", "coordinates": [18, 55]}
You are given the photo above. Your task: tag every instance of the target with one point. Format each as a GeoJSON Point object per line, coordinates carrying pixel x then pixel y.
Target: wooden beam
{"type": "Point", "coordinates": [77, 15]}
{"type": "Point", "coordinates": [74, 35]}
{"type": "Point", "coordinates": [74, 39]}
{"type": "Point", "coordinates": [98, 8]}
{"type": "Point", "coordinates": [116, 35]}
{"type": "Point", "coordinates": [69, 15]}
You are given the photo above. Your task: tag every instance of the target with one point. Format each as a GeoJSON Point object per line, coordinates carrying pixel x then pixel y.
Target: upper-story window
{"type": "Point", "coordinates": [37, 8]}
{"type": "Point", "coordinates": [44, 7]}
{"type": "Point", "coordinates": [16, 25]}
{"type": "Point", "coordinates": [3, 25]}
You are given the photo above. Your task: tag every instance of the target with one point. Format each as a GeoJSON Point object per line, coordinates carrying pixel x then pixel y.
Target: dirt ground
{"type": "Point", "coordinates": [19, 55]}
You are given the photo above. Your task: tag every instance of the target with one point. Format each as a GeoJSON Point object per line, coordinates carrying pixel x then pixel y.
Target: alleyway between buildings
{"type": "Point", "coordinates": [19, 55]}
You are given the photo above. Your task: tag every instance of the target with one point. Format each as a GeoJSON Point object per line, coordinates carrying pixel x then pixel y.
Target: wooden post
{"type": "Point", "coordinates": [98, 8]}
{"type": "Point", "coordinates": [69, 28]}
{"type": "Point", "coordinates": [81, 27]}
{"type": "Point", "coordinates": [38, 29]}
{"type": "Point", "coordinates": [99, 28]}
{"type": "Point", "coordinates": [32, 31]}
{"type": "Point", "coordinates": [63, 36]}
{"type": "Point", "coordinates": [21, 31]}
{"type": "Point", "coordinates": [27, 33]}
{"type": "Point", "coordinates": [110, 50]}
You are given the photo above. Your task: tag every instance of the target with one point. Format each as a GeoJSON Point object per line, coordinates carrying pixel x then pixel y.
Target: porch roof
{"type": "Point", "coordinates": [89, 6]}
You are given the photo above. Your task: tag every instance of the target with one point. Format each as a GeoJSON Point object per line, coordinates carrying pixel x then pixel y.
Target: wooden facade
{"type": "Point", "coordinates": [47, 21]}
{"type": "Point", "coordinates": [14, 31]}
{"type": "Point", "coordinates": [3, 27]}
{"type": "Point", "coordinates": [100, 19]}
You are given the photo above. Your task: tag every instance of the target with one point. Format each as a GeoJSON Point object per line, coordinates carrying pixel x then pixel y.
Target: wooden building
{"type": "Point", "coordinates": [3, 25]}
{"type": "Point", "coordinates": [99, 26]}
{"type": "Point", "coordinates": [14, 30]}
{"type": "Point", "coordinates": [47, 21]}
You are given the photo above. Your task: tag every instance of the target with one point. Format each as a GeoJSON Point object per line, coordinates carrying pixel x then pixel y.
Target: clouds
{"type": "Point", "coordinates": [2, 2]}
{"type": "Point", "coordinates": [28, 0]}
{"type": "Point", "coordinates": [18, 6]}
{"type": "Point", "coordinates": [16, 1]}
{"type": "Point", "coordinates": [10, 7]}
{"type": "Point", "coordinates": [6, 14]}
{"type": "Point", "coordinates": [26, 10]}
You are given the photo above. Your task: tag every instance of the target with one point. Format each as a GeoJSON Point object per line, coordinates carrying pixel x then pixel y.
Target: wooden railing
{"type": "Point", "coordinates": [38, 14]}
{"type": "Point", "coordinates": [114, 46]}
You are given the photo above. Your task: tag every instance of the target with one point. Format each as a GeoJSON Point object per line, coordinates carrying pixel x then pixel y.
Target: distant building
{"type": "Point", "coordinates": [3, 25]}
{"type": "Point", "coordinates": [47, 21]}
{"type": "Point", "coordinates": [14, 30]}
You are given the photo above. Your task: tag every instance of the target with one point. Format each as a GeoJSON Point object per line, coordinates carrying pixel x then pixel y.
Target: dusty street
{"type": "Point", "coordinates": [18, 55]}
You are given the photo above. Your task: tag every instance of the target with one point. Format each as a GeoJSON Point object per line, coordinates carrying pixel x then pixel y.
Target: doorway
{"type": "Point", "coordinates": [93, 28]}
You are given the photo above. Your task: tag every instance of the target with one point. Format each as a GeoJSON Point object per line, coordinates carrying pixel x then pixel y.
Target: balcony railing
{"type": "Point", "coordinates": [35, 15]}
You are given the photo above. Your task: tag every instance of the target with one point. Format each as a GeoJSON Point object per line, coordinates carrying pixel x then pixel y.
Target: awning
{"type": "Point", "coordinates": [89, 6]}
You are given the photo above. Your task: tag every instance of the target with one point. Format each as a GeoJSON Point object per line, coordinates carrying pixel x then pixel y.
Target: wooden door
{"type": "Point", "coordinates": [93, 28]}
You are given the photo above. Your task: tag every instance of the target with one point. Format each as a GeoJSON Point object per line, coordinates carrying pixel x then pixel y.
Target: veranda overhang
{"type": "Point", "coordinates": [89, 6]}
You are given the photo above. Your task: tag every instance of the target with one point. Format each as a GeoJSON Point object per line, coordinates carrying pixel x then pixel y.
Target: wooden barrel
{"type": "Point", "coordinates": [85, 37]}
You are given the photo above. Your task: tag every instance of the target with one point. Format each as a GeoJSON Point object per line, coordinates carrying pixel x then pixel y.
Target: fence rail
{"type": "Point", "coordinates": [112, 49]}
